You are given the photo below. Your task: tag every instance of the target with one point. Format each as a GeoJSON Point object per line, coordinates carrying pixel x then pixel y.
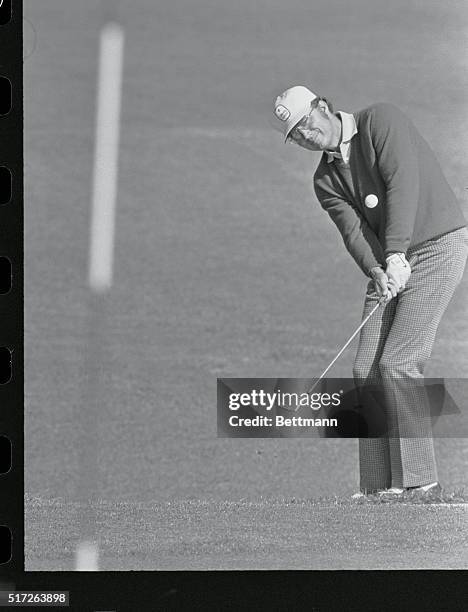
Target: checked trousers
{"type": "Point", "coordinates": [393, 350]}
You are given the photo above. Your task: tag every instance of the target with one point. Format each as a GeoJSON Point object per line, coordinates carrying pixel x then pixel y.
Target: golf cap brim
{"type": "Point", "coordinates": [290, 107]}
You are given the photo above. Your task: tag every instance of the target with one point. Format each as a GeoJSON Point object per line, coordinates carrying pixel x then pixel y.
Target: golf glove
{"type": "Point", "coordinates": [398, 270]}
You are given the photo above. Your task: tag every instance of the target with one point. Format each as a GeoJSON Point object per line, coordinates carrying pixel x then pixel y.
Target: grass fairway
{"type": "Point", "coordinates": [324, 534]}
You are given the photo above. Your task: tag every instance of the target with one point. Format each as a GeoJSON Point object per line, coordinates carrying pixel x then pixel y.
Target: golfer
{"type": "Point", "coordinates": [383, 187]}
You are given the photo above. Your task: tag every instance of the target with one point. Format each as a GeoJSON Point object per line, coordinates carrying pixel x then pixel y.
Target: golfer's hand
{"type": "Point", "coordinates": [382, 284]}
{"type": "Point", "coordinates": [398, 270]}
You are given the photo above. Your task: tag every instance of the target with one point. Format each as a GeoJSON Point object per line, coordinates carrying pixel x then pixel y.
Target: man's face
{"type": "Point", "coordinates": [314, 131]}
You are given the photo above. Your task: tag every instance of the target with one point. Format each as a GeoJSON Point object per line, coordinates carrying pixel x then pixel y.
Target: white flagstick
{"type": "Point", "coordinates": [106, 158]}
{"type": "Point", "coordinates": [101, 250]}
{"type": "Point", "coordinates": [87, 557]}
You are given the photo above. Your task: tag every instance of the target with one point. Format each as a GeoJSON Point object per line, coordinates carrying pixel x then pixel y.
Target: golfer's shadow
{"type": "Point", "coordinates": [351, 420]}
{"type": "Point", "coordinates": [368, 419]}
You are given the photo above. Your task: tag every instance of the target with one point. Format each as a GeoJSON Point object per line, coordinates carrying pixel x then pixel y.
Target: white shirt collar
{"type": "Point", "coordinates": [348, 130]}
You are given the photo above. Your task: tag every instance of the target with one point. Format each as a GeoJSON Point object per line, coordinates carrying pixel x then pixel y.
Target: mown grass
{"type": "Point", "coordinates": [442, 496]}
{"type": "Point", "coordinates": [327, 533]}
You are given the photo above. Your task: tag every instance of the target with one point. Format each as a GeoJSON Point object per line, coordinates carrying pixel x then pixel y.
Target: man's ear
{"type": "Point", "coordinates": [323, 107]}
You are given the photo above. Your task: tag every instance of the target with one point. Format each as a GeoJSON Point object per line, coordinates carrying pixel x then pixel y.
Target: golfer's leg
{"type": "Point", "coordinates": [419, 310]}
{"type": "Point", "coordinates": [374, 457]}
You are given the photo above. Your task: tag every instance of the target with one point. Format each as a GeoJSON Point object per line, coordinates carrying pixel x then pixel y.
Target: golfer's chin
{"type": "Point", "coordinates": [314, 146]}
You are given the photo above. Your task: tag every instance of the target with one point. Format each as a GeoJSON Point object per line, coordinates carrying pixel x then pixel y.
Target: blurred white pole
{"type": "Point", "coordinates": [101, 256]}
{"type": "Point", "coordinates": [87, 557]}
{"type": "Point", "coordinates": [106, 155]}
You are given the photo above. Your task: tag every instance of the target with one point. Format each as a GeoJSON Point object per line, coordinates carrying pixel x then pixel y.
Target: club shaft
{"type": "Point", "coordinates": [412, 261]}
{"type": "Point", "coordinates": [379, 303]}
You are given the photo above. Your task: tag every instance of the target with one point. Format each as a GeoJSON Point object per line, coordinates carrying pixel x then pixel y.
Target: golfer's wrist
{"type": "Point", "coordinates": [397, 258]}
{"type": "Point", "coordinates": [376, 271]}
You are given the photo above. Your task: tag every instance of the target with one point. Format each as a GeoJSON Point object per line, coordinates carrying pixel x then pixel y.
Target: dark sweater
{"type": "Point", "coordinates": [390, 159]}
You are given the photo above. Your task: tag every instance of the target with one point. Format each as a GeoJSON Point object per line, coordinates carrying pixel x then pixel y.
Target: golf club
{"type": "Point", "coordinates": [381, 301]}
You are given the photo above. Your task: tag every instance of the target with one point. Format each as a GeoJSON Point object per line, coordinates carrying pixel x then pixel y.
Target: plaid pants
{"type": "Point", "coordinates": [394, 347]}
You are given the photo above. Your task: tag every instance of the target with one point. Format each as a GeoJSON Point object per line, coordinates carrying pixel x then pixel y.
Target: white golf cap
{"type": "Point", "coordinates": [291, 106]}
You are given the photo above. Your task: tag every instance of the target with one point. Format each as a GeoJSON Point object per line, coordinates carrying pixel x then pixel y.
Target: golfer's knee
{"type": "Point", "coordinates": [363, 370]}
{"type": "Point", "coordinates": [359, 371]}
{"type": "Point", "coordinates": [392, 366]}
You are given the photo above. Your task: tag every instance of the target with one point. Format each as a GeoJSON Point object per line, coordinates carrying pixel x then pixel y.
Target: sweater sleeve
{"type": "Point", "coordinates": [358, 236]}
{"type": "Point", "coordinates": [397, 159]}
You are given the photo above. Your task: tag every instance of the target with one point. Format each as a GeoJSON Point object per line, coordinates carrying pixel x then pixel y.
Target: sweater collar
{"type": "Point", "coordinates": [348, 130]}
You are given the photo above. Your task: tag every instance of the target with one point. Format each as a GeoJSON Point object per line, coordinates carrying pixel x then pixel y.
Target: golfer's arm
{"type": "Point", "coordinates": [398, 165]}
{"type": "Point", "coordinates": [358, 237]}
